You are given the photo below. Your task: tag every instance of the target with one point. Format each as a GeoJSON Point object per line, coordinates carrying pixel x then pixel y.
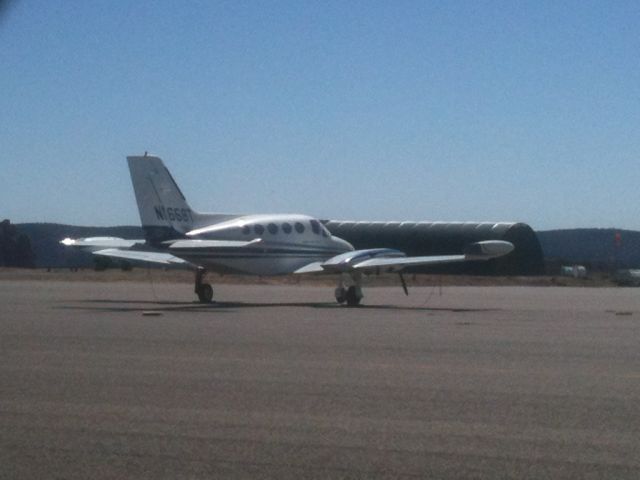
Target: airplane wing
{"type": "Point", "coordinates": [315, 267]}
{"type": "Point", "coordinates": [388, 265]}
{"type": "Point", "coordinates": [386, 260]}
{"type": "Point", "coordinates": [142, 256]}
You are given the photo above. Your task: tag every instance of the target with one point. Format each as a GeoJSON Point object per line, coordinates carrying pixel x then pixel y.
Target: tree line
{"type": "Point", "coordinates": [15, 248]}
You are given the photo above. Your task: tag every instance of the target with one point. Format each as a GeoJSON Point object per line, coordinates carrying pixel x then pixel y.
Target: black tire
{"type": "Point", "coordinates": [352, 298]}
{"type": "Point", "coordinates": [341, 295]}
{"type": "Point", "coordinates": [205, 293]}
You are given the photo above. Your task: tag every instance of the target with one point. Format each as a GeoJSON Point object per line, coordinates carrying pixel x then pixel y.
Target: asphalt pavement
{"type": "Point", "coordinates": [135, 380]}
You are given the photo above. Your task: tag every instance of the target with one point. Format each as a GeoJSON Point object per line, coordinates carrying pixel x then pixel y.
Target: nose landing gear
{"type": "Point", "coordinates": [349, 291]}
{"type": "Point", "coordinates": [341, 294]}
{"type": "Point", "coordinates": [354, 295]}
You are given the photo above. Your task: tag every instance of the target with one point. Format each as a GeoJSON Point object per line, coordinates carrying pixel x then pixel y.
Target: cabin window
{"type": "Point", "coordinates": [299, 227]}
{"type": "Point", "coordinates": [259, 229]}
{"type": "Point", "coordinates": [315, 227]}
{"type": "Point", "coordinates": [286, 227]}
{"type": "Point", "coordinates": [273, 228]}
{"type": "Point", "coordinates": [246, 229]}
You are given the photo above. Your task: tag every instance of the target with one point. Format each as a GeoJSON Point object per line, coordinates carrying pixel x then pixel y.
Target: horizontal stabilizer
{"type": "Point", "coordinates": [98, 243]}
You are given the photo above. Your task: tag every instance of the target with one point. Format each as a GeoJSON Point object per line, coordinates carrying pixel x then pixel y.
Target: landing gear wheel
{"type": "Point", "coordinates": [341, 295]}
{"type": "Point", "coordinates": [205, 293]}
{"type": "Point", "coordinates": [203, 290]}
{"type": "Point", "coordinates": [353, 297]}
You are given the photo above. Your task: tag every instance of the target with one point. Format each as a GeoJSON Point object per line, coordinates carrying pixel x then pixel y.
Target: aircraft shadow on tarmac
{"type": "Point", "coordinates": [197, 307]}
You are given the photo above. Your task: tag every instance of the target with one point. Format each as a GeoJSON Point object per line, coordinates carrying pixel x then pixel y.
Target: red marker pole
{"type": "Point", "coordinates": [617, 243]}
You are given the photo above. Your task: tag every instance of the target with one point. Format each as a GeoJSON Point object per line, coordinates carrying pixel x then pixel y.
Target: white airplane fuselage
{"type": "Point", "coordinates": [283, 244]}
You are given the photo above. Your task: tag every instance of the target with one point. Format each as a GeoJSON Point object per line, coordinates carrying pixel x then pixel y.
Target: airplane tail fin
{"type": "Point", "coordinates": [164, 211]}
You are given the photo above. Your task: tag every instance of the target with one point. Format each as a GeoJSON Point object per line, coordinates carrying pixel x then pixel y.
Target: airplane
{"type": "Point", "coordinates": [255, 244]}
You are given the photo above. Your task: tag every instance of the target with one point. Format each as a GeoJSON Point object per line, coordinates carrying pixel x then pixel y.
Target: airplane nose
{"type": "Point", "coordinates": [342, 244]}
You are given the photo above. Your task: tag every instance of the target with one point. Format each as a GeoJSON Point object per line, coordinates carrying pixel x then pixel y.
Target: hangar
{"type": "Point", "coordinates": [446, 238]}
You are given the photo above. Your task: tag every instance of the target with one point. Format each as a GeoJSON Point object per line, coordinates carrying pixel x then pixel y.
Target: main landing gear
{"type": "Point", "coordinates": [349, 291]}
{"type": "Point", "coordinates": [203, 290]}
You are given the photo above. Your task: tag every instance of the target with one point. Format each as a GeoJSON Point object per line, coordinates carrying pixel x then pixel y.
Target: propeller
{"type": "Point", "coordinates": [404, 284]}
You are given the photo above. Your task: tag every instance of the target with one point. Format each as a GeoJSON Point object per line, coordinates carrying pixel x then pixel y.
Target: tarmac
{"type": "Point", "coordinates": [136, 380]}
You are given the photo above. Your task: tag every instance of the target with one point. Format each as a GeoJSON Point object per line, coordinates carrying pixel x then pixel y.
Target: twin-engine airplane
{"type": "Point", "coordinates": [251, 244]}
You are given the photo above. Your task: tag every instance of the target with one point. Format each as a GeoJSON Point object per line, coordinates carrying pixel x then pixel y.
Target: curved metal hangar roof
{"type": "Point", "coordinates": [445, 238]}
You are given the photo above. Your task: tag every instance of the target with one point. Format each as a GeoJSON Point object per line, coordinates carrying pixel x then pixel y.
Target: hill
{"type": "Point", "coordinates": [601, 248]}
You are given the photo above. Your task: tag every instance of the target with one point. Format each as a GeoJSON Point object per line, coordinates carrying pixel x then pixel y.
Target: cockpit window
{"type": "Point", "coordinates": [315, 227]}
{"type": "Point", "coordinates": [273, 228]}
{"type": "Point", "coordinates": [246, 229]}
{"type": "Point", "coordinates": [325, 232]}
{"type": "Point", "coordinates": [259, 229]}
{"type": "Point", "coordinates": [286, 227]}
{"type": "Point", "coordinates": [299, 227]}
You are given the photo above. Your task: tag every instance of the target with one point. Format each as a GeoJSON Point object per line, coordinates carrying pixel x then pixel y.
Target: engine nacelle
{"type": "Point", "coordinates": [487, 249]}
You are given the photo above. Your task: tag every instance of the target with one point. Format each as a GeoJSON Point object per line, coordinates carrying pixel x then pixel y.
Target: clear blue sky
{"type": "Point", "coordinates": [397, 110]}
